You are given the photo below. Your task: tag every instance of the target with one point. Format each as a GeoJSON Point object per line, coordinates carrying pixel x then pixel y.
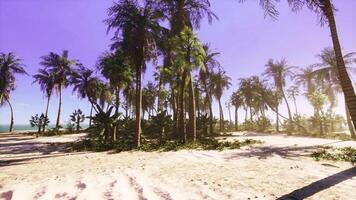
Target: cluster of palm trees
{"type": "Point", "coordinates": [161, 33]}
{"type": "Point", "coordinates": [319, 82]}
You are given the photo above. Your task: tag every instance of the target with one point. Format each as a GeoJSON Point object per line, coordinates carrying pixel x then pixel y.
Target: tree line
{"type": "Point", "coordinates": [141, 36]}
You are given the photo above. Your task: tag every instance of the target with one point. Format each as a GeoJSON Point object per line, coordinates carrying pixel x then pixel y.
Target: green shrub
{"type": "Point", "coordinates": [347, 154]}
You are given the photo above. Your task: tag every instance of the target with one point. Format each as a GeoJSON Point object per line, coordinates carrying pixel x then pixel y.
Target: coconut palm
{"type": "Point", "coordinates": [326, 76]}
{"type": "Point", "coordinates": [189, 54]}
{"type": "Point", "coordinates": [47, 82]}
{"type": "Point", "coordinates": [221, 82]}
{"type": "Point", "coordinates": [137, 24]}
{"type": "Point", "coordinates": [61, 67]}
{"type": "Point", "coordinates": [116, 68]}
{"type": "Point", "coordinates": [279, 71]}
{"type": "Point", "coordinates": [318, 100]}
{"type": "Point", "coordinates": [237, 101]}
{"type": "Point", "coordinates": [305, 78]}
{"type": "Point", "coordinates": [180, 14]}
{"type": "Point", "coordinates": [149, 94]}
{"type": "Point", "coordinates": [292, 93]}
{"type": "Point", "coordinates": [209, 64]}
{"type": "Point", "coordinates": [325, 11]}
{"type": "Point", "coordinates": [10, 65]}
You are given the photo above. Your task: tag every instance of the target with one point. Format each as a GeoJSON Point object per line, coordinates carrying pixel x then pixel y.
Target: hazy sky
{"type": "Point", "coordinates": [246, 40]}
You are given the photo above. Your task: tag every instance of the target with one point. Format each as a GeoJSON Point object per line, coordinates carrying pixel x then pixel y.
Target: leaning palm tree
{"type": "Point", "coordinates": [61, 67]}
{"type": "Point", "coordinates": [10, 65]}
{"type": "Point", "coordinates": [137, 24]}
{"type": "Point", "coordinates": [46, 81]}
{"type": "Point", "coordinates": [279, 71]}
{"type": "Point", "coordinates": [325, 11]}
{"type": "Point", "coordinates": [221, 82]}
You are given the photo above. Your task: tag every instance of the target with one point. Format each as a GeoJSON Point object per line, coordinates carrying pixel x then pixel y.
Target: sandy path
{"type": "Point", "coordinates": [35, 169]}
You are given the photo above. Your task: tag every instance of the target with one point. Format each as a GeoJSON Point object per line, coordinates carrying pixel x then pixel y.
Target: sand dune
{"type": "Point", "coordinates": [38, 169]}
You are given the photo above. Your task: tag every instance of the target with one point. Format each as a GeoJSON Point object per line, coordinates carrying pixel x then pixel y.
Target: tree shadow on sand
{"type": "Point", "coordinates": [320, 185]}
{"type": "Point", "coordinates": [15, 150]}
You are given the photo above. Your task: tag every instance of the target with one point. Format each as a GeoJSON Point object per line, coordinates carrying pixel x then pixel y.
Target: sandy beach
{"type": "Point", "coordinates": [40, 168]}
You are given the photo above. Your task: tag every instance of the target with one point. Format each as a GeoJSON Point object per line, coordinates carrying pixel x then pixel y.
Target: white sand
{"type": "Point", "coordinates": [33, 169]}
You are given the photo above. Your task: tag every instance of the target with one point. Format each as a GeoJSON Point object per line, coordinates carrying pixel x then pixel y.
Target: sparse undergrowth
{"type": "Point", "coordinates": [338, 136]}
{"type": "Point", "coordinates": [347, 154]}
{"type": "Point", "coordinates": [169, 145]}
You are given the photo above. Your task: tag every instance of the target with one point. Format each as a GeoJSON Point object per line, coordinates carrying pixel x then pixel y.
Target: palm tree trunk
{"type": "Point", "coordinates": [295, 106]}
{"type": "Point", "coordinates": [221, 126]}
{"type": "Point", "coordinates": [344, 78]}
{"type": "Point", "coordinates": [277, 119]}
{"type": "Point", "coordinates": [211, 115]}
{"type": "Point", "coordinates": [181, 108]}
{"type": "Point", "coordinates": [117, 105]}
{"type": "Point", "coordinates": [159, 96]}
{"type": "Point", "coordinates": [1, 96]}
{"type": "Point", "coordinates": [59, 106]}
{"type": "Point", "coordinates": [138, 104]}
{"type": "Point", "coordinates": [230, 121]}
{"type": "Point", "coordinates": [46, 113]}
{"type": "Point", "coordinates": [288, 107]}
{"type": "Point", "coordinates": [12, 114]}
{"type": "Point", "coordinates": [236, 119]}
{"type": "Point", "coordinates": [192, 113]}
{"type": "Point", "coordinates": [349, 123]}
{"type": "Point", "coordinates": [91, 114]}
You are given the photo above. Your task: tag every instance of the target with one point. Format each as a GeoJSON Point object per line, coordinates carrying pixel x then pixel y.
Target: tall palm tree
{"type": "Point", "coordinates": [180, 14]}
{"type": "Point", "coordinates": [61, 67]}
{"type": "Point", "coordinates": [305, 77]}
{"type": "Point", "coordinates": [137, 24]}
{"type": "Point", "coordinates": [10, 65]}
{"type": "Point", "coordinates": [189, 54]}
{"type": "Point", "coordinates": [279, 71]}
{"type": "Point", "coordinates": [46, 80]}
{"type": "Point", "coordinates": [292, 93]}
{"type": "Point", "coordinates": [209, 64]}
{"type": "Point", "coordinates": [117, 69]}
{"type": "Point", "coordinates": [326, 76]}
{"type": "Point", "coordinates": [237, 101]}
{"type": "Point", "coordinates": [221, 82]}
{"type": "Point", "coordinates": [325, 11]}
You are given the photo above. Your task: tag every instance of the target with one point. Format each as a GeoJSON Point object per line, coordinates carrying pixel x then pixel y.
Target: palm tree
{"type": "Point", "coordinates": [326, 76]}
{"type": "Point", "coordinates": [237, 101]}
{"type": "Point", "coordinates": [279, 71]}
{"type": "Point", "coordinates": [305, 78]}
{"type": "Point", "coordinates": [325, 11]}
{"type": "Point", "coordinates": [46, 81]}
{"type": "Point", "coordinates": [221, 82]}
{"type": "Point", "coordinates": [189, 55]}
{"type": "Point", "coordinates": [180, 14]}
{"type": "Point", "coordinates": [10, 65]}
{"type": "Point", "coordinates": [292, 93]}
{"type": "Point", "coordinates": [149, 94]}
{"type": "Point", "coordinates": [209, 64]}
{"type": "Point", "coordinates": [61, 67]}
{"type": "Point", "coordinates": [116, 68]}
{"type": "Point", "coordinates": [138, 26]}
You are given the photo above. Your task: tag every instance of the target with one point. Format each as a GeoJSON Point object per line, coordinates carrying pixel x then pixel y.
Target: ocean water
{"type": "Point", "coordinates": [25, 127]}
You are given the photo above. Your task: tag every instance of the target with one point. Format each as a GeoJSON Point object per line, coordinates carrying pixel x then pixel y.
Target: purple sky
{"type": "Point", "coordinates": [245, 39]}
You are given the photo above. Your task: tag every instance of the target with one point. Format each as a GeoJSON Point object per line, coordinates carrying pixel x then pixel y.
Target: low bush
{"type": "Point", "coordinates": [347, 154]}
{"type": "Point", "coordinates": [155, 145]}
